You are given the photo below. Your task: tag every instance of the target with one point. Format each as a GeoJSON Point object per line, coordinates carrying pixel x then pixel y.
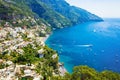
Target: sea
{"type": "Point", "coordinates": [95, 44]}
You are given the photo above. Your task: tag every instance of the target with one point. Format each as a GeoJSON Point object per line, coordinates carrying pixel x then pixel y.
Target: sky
{"type": "Point", "coordinates": [102, 8]}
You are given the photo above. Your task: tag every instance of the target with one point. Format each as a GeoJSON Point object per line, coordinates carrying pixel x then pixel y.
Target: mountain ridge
{"type": "Point", "coordinates": [52, 13]}
{"type": "Point", "coordinates": [75, 14]}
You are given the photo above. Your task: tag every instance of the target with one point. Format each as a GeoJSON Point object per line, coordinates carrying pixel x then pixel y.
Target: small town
{"type": "Point", "coordinates": [14, 40]}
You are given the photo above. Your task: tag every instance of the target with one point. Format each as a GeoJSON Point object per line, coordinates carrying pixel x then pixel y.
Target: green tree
{"type": "Point", "coordinates": [109, 75]}
{"type": "Point", "coordinates": [84, 73]}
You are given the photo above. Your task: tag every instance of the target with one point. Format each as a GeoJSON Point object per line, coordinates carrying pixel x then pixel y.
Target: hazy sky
{"type": "Point", "coordinates": [102, 8]}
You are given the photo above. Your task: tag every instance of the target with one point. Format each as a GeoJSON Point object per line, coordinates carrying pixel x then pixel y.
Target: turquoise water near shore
{"type": "Point", "coordinates": [96, 44]}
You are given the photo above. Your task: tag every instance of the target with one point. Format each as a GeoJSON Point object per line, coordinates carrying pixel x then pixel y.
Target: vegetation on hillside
{"type": "Point", "coordinates": [55, 13]}
{"type": "Point", "coordinates": [73, 14]}
{"type": "Point", "coordinates": [87, 73]}
{"type": "Point", "coordinates": [18, 14]}
{"type": "Point", "coordinates": [45, 66]}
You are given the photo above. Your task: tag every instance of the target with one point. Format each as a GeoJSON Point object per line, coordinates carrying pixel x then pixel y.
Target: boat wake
{"type": "Point", "coordinates": [85, 45]}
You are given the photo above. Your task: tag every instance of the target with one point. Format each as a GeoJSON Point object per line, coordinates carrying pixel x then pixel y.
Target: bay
{"type": "Point", "coordinates": [95, 44]}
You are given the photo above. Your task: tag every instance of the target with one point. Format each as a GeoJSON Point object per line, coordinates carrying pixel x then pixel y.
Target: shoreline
{"type": "Point", "coordinates": [62, 68]}
{"type": "Point", "coordinates": [45, 38]}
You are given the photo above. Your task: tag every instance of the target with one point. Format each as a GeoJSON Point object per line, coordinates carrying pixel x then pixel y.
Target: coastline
{"type": "Point", "coordinates": [45, 38]}
{"type": "Point", "coordinates": [62, 69]}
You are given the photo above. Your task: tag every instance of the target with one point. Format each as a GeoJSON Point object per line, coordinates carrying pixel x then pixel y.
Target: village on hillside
{"type": "Point", "coordinates": [21, 44]}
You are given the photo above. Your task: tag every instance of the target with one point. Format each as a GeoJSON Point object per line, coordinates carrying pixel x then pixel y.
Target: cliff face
{"type": "Point", "coordinates": [55, 13]}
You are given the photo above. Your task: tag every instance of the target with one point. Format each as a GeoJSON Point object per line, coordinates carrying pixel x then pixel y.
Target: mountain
{"type": "Point", "coordinates": [52, 13]}
{"type": "Point", "coordinates": [17, 13]}
{"type": "Point", "coordinates": [74, 14]}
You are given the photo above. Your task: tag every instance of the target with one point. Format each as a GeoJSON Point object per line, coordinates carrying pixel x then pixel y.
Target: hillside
{"type": "Point", "coordinates": [55, 13]}
{"type": "Point", "coordinates": [74, 14]}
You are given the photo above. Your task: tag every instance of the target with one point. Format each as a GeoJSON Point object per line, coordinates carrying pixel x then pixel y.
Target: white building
{"type": "Point", "coordinates": [40, 52]}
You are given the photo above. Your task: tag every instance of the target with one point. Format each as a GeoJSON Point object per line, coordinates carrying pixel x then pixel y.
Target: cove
{"type": "Point", "coordinates": [95, 44]}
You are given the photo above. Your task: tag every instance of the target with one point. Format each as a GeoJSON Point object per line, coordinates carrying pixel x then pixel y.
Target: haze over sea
{"type": "Point", "coordinates": [96, 44]}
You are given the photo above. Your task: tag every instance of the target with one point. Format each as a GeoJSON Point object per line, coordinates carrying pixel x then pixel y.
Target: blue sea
{"type": "Point", "coordinates": [95, 44]}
